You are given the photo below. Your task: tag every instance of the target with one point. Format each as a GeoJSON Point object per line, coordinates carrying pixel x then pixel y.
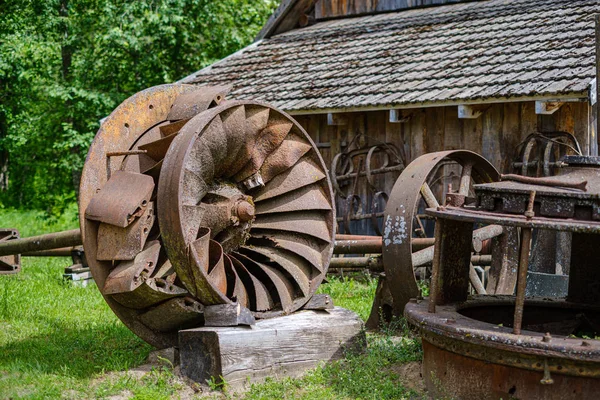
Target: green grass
{"type": "Point", "coordinates": [62, 341]}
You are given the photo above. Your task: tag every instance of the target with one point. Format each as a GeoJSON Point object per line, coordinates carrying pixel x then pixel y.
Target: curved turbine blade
{"type": "Point", "coordinates": [303, 199]}
{"type": "Point", "coordinates": [304, 173]}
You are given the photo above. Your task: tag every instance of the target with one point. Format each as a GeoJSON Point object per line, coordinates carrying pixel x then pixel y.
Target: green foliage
{"type": "Point", "coordinates": [65, 65]}
{"type": "Point", "coordinates": [358, 376]}
{"type": "Point", "coordinates": [61, 341]}
{"type": "Point", "coordinates": [351, 293]}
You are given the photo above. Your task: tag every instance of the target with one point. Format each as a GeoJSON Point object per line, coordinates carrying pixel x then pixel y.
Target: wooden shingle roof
{"type": "Point", "coordinates": [460, 53]}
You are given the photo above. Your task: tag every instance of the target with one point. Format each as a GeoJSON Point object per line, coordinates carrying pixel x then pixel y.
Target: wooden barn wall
{"type": "Point", "coordinates": [337, 8]}
{"type": "Point", "coordinates": [496, 135]}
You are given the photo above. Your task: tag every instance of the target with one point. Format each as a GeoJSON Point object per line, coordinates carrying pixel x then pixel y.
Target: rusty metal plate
{"type": "Point", "coordinates": [136, 121]}
{"type": "Point", "coordinates": [116, 243]}
{"type": "Point", "coordinates": [124, 197]}
{"type": "Point", "coordinates": [127, 276]}
{"type": "Point", "coordinates": [10, 264]}
{"type": "Point", "coordinates": [176, 314]}
{"type": "Point", "coordinates": [195, 101]}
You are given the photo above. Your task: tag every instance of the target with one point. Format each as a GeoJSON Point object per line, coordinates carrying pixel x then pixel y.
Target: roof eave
{"type": "Point", "coordinates": [565, 97]}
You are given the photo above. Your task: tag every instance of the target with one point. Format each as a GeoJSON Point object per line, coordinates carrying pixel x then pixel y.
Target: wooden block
{"type": "Point", "coordinates": [277, 347]}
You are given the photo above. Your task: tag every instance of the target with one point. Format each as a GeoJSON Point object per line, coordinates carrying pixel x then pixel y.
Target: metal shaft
{"type": "Point", "coordinates": [371, 244]}
{"type": "Point", "coordinates": [372, 263]}
{"type": "Point", "coordinates": [43, 242]}
{"type": "Point", "coordinates": [523, 265]}
{"type": "Point", "coordinates": [522, 279]}
{"type": "Point", "coordinates": [62, 252]}
{"type": "Point", "coordinates": [544, 181]}
{"type": "Point", "coordinates": [435, 270]}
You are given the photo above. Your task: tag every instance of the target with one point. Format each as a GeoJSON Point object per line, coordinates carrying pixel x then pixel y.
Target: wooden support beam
{"type": "Point", "coordinates": [336, 119]}
{"type": "Point", "coordinates": [397, 117]}
{"type": "Point", "coordinates": [276, 347]}
{"type": "Point", "coordinates": [471, 111]}
{"type": "Point", "coordinates": [547, 107]}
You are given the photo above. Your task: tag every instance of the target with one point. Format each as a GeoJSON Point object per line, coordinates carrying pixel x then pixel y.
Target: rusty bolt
{"type": "Point", "coordinates": [245, 211]}
{"type": "Point", "coordinates": [529, 214]}
{"type": "Point", "coordinates": [547, 338]}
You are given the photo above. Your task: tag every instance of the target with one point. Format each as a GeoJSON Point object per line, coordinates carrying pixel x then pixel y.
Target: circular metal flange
{"type": "Point", "coordinates": [245, 208]}
{"type": "Point", "coordinates": [411, 192]}
{"type": "Point", "coordinates": [116, 148]}
{"type": "Point", "coordinates": [475, 339]}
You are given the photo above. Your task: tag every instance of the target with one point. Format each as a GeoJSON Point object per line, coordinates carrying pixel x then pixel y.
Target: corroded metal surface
{"type": "Point", "coordinates": [189, 200]}
{"type": "Point", "coordinates": [10, 262]}
{"type": "Point", "coordinates": [475, 338]}
{"type": "Point", "coordinates": [10, 243]}
{"type": "Point", "coordinates": [514, 346]}
{"type": "Point", "coordinates": [401, 214]}
{"type": "Point", "coordinates": [233, 169]}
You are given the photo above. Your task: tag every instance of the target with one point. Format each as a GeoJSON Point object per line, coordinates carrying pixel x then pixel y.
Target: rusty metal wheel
{"type": "Point", "coordinates": [246, 209]}
{"type": "Point", "coordinates": [177, 214]}
{"type": "Point", "coordinates": [117, 211]}
{"type": "Point", "coordinates": [423, 184]}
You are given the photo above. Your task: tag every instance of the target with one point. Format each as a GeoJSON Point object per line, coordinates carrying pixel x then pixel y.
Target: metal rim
{"type": "Point", "coordinates": [402, 208]}
{"type": "Point", "coordinates": [275, 169]}
{"type": "Point", "coordinates": [121, 132]}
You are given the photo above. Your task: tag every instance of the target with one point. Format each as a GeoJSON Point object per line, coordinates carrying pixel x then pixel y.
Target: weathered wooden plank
{"type": "Point", "coordinates": [472, 133]}
{"type": "Point", "coordinates": [528, 119]}
{"type": "Point", "coordinates": [338, 8]}
{"type": "Point", "coordinates": [510, 136]}
{"type": "Point", "coordinates": [277, 347]}
{"type": "Point", "coordinates": [418, 134]}
{"type": "Point", "coordinates": [492, 128]}
{"type": "Point", "coordinates": [453, 139]}
{"type": "Point", "coordinates": [435, 125]}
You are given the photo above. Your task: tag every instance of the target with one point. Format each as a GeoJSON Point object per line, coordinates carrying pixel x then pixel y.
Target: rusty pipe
{"type": "Point", "coordinates": [372, 263]}
{"type": "Point", "coordinates": [544, 181]}
{"type": "Point", "coordinates": [340, 236]}
{"type": "Point", "coordinates": [372, 244]}
{"type": "Point", "coordinates": [49, 241]}
{"type": "Point", "coordinates": [60, 252]}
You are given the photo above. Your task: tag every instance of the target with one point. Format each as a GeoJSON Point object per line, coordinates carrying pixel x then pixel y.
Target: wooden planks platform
{"type": "Point", "coordinates": [284, 346]}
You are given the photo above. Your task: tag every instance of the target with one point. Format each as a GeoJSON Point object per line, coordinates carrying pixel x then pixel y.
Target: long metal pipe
{"type": "Point", "coordinates": [372, 263]}
{"type": "Point", "coordinates": [61, 252]}
{"type": "Point", "coordinates": [371, 244]}
{"type": "Point", "coordinates": [42, 242]}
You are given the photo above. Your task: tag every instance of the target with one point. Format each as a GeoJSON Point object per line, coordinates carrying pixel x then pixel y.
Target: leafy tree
{"type": "Point", "coordinates": [65, 64]}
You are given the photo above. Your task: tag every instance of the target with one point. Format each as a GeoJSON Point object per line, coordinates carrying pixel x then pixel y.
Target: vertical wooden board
{"type": "Point", "coordinates": [417, 134]}
{"type": "Point", "coordinates": [528, 119]}
{"type": "Point", "coordinates": [564, 118]}
{"type": "Point", "coordinates": [394, 133]}
{"type": "Point", "coordinates": [492, 128]}
{"type": "Point", "coordinates": [546, 123]}
{"type": "Point", "coordinates": [453, 138]}
{"type": "Point", "coordinates": [304, 121]}
{"type": "Point", "coordinates": [584, 127]}
{"type": "Point", "coordinates": [592, 118]}
{"type": "Point", "coordinates": [472, 132]}
{"type": "Point", "coordinates": [327, 133]}
{"type": "Point", "coordinates": [435, 123]}
{"type": "Point", "coordinates": [511, 135]}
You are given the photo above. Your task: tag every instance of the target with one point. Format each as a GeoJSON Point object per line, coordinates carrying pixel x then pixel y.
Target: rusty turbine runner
{"type": "Point", "coordinates": [189, 200]}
